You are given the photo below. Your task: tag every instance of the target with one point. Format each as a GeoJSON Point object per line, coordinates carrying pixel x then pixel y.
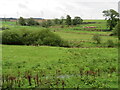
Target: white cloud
{"type": "Point", "coordinates": [56, 8]}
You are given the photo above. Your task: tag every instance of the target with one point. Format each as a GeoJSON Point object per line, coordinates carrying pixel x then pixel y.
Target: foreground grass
{"type": "Point", "coordinates": [59, 67]}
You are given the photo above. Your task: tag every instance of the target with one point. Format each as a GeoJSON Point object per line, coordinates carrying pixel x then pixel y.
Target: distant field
{"type": "Point", "coordinates": [75, 33]}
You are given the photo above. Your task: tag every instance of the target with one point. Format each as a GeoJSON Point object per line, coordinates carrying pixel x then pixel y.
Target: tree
{"type": "Point", "coordinates": [77, 20]}
{"type": "Point", "coordinates": [49, 23]}
{"type": "Point", "coordinates": [44, 24]}
{"type": "Point", "coordinates": [117, 30]}
{"type": "Point", "coordinates": [62, 20]}
{"type": "Point", "coordinates": [22, 21]}
{"type": "Point", "coordinates": [68, 20]}
{"type": "Point", "coordinates": [57, 21]}
{"type": "Point", "coordinates": [97, 38]}
{"type": "Point", "coordinates": [31, 22]}
{"type": "Point", "coordinates": [111, 17]}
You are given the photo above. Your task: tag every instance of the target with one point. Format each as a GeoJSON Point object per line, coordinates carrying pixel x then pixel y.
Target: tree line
{"type": "Point", "coordinates": [112, 17]}
{"type": "Point", "coordinates": [68, 21]}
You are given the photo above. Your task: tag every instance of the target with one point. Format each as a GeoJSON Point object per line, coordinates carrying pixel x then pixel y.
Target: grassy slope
{"type": "Point", "coordinates": [69, 34]}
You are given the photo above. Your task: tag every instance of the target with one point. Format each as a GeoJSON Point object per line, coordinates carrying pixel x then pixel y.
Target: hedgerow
{"type": "Point", "coordinates": [29, 37]}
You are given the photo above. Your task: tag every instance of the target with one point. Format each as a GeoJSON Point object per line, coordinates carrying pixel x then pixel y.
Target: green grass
{"type": "Point", "coordinates": [90, 67]}
{"type": "Point", "coordinates": [72, 35]}
{"type": "Point", "coordinates": [72, 63]}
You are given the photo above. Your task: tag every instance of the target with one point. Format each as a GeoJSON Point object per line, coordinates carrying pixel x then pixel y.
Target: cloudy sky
{"type": "Point", "coordinates": [86, 9]}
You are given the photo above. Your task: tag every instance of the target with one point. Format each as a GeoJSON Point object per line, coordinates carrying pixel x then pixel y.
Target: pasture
{"type": "Point", "coordinates": [85, 64]}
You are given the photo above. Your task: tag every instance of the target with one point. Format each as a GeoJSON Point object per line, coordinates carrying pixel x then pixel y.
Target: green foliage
{"type": "Point", "coordinates": [27, 37]}
{"type": "Point", "coordinates": [28, 22]}
{"type": "Point", "coordinates": [62, 20]}
{"type": "Point", "coordinates": [112, 18]}
{"type": "Point", "coordinates": [11, 37]}
{"type": "Point", "coordinates": [116, 31]}
{"type": "Point", "coordinates": [50, 38]}
{"type": "Point", "coordinates": [110, 43]}
{"type": "Point", "coordinates": [56, 21]}
{"type": "Point", "coordinates": [59, 21]}
{"type": "Point", "coordinates": [58, 67]}
{"type": "Point", "coordinates": [96, 37]}
{"type": "Point", "coordinates": [77, 20]}
{"type": "Point", "coordinates": [68, 20]}
{"type": "Point", "coordinates": [31, 22]}
{"type": "Point", "coordinates": [47, 23]}
{"type": "Point", "coordinates": [76, 34]}
{"type": "Point", "coordinates": [44, 24]}
{"type": "Point", "coordinates": [22, 21]}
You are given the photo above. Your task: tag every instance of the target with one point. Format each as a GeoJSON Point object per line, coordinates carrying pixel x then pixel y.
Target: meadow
{"type": "Point", "coordinates": [85, 64]}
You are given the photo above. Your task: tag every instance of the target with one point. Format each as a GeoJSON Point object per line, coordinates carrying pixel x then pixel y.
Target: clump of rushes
{"type": "Point", "coordinates": [110, 43]}
{"type": "Point", "coordinates": [97, 38]}
{"type": "Point", "coordinates": [36, 80]}
{"type": "Point", "coordinates": [29, 77]}
{"type": "Point", "coordinates": [63, 83]}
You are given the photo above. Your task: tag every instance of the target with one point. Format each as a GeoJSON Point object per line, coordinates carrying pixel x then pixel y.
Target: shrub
{"type": "Point", "coordinates": [38, 42]}
{"type": "Point", "coordinates": [0, 37]}
{"type": "Point", "coordinates": [97, 38]}
{"type": "Point", "coordinates": [22, 21]}
{"type": "Point", "coordinates": [116, 31]}
{"type": "Point", "coordinates": [28, 22]}
{"type": "Point", "coordinates": [75, 44]}
{"type": "Point", "coordinates": [49, 38]}
{"type": "Point", "coordinates": [110, 43]}
{"type": "Point", "coordinates": [10, 37]}
{"type": "Point", "coordinates": [31, 22]}
{"type": "Point", "coordinates": [44, 24]}
{"type": "Point", "coordinates": [47, 23]}
{"type": "Point", "coordinates": [29, 37]}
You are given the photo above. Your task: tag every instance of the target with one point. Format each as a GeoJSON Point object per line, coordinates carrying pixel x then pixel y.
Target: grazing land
{"type": "Point", "coordinates": [84, 64]}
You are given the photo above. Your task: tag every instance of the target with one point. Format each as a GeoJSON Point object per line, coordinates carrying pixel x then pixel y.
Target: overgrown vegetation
{"type": "Point", "coordinates": [27, 22]}
{"type": "Point", "coordinates": [29, 37]}
{"type": "Point", "coordinates": [97, 38]}
{"type": "Point", "coordinates": [116, 31]}
{"type": "Point", "coordinates": [110, 43]}
{"type": "Point", "coordinates": [57, 67]}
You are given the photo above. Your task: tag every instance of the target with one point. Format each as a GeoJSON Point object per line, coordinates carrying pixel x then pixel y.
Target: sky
{"type": "Point", "coordinates": [49, 9]}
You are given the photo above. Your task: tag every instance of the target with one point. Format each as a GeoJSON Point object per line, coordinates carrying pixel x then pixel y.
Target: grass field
{"type": "Point", "coordinates": [89, 66]}
{"type": "Point", "coordinates": [83, 68]}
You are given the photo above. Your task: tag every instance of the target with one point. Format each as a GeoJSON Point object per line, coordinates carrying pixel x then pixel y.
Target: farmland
{"type": "Point", "coordinates": [85, 64]}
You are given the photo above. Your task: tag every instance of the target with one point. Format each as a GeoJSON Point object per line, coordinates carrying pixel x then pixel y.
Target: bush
{"type": "Point", "coordinates": [22, 21]}
{"type": "Point", "coordinates": [116, 31]}
{"type": "Point", "coordinates": [44, 24]}
{"type": "Point", "coordinates": [0, 37]}
{"type": "Point", "coordinates": [47, 23]}
{"type": "Point", "coordinates": [110, 43]}
{"type": "Point", "coordinates": [97, 38]}
{"type": "Point", "coordinates": [31, 22]}
{"type": "Point", "coordinates": [75, 44]}
{"type": "Point", "coordinates": [28, 37]}
{"type": "Point", "coordinates": [28, 22]}
{"type": "Point", "coordinates": [11, 37]}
